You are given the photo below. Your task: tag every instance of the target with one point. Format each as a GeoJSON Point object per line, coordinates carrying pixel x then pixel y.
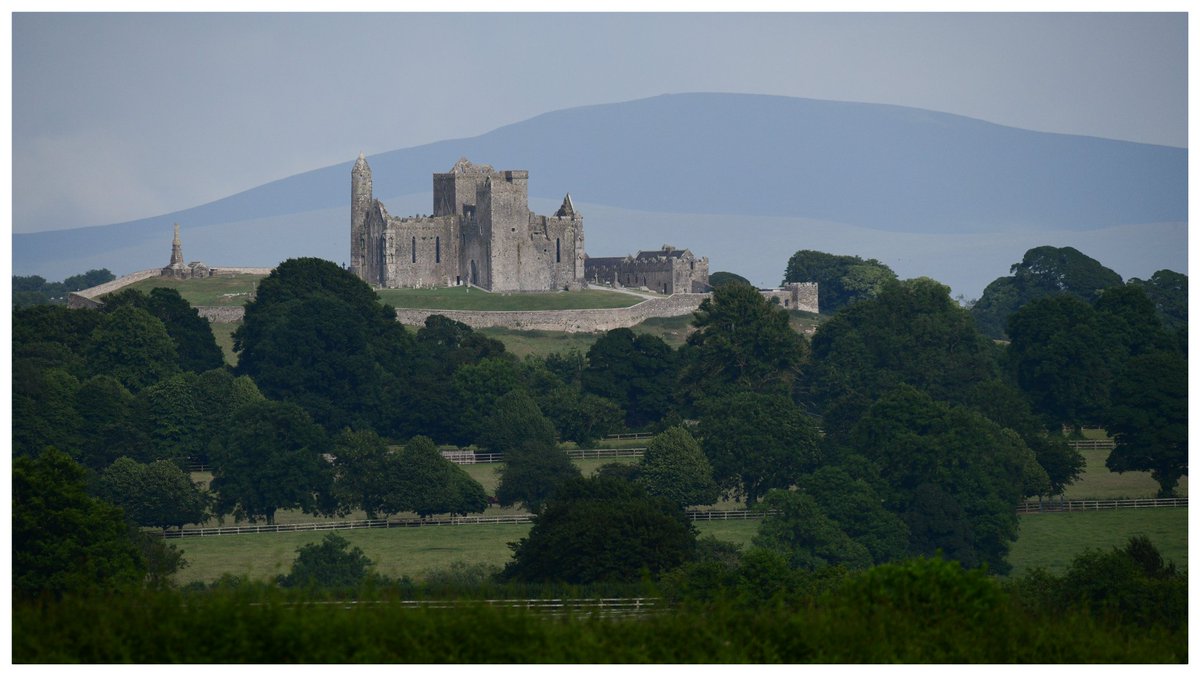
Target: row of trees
{"type": "Point", "coordinates": [35, 290]}
{"type": "Point", "coordinates": [899, 407]}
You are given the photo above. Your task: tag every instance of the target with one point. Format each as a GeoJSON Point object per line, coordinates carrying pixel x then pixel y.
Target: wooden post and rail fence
{"type": "Point", "coordinates": [1027, 507]}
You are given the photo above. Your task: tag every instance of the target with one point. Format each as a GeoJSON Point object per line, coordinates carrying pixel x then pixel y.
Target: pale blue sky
{"type": "Point", "coordinates": [124, 116]}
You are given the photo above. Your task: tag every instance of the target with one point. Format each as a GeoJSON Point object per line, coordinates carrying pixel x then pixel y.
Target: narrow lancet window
{"type": "Point", "coordinates": [437, 250]}
{"type": "Point", "coordinates": [557, 250]}
{"type": "Point", "coordinates": [414, 249]}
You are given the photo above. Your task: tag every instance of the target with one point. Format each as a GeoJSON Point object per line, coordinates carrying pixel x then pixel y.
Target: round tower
{"type": "Point", "coordinates": [361, 197]}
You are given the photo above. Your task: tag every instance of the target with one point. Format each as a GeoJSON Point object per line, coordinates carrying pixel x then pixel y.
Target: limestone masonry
{"type": "Point", "coordinates": [177, 270]}
{"type": "Point", "coordinates": [482, 233]}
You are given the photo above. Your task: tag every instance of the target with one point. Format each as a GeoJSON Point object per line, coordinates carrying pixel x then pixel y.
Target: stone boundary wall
{"type": "Point", "coordinates": [570, 321]}
{"type": "Point", "coordinates": [223, 314]}
{"type": "Point", "coordinates": [81, 298]}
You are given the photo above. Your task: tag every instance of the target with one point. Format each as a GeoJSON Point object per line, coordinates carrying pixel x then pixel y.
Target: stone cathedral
{"type": "Point", "coordinates": [481, 232]}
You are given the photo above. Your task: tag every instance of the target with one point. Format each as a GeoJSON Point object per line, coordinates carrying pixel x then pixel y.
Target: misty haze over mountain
{"type": "Point", "coordinates": [743, 179]}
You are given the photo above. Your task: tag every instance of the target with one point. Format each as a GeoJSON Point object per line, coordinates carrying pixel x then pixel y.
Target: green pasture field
{"type": "Point", "coordinates": [1048, 541]}
{"type": "Point", "coordinates": [222, 290]}
{"type": "Point", "coordinates": [467, 298]}
{"type": "Point", "coordinates": [1097, 483]}
{"type": "Point", "coordinates": [395, 551]}
{"type": "Point", "coordinates": [539, 343]}
{"type": "Point", "coordinates": [223, 334]}
{"type": "Point", "coordinates": [1052, 540]}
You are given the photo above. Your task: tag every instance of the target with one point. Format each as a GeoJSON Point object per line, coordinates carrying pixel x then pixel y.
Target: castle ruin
{"type": "Point", "coordinates": [481, 233]}
{"type": "Point", "coordinates": [667, 271]}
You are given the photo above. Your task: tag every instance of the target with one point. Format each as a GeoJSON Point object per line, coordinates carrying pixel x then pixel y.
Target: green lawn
{"type": "Point", "coordinates": [1097, 482]}
{"type": "Point", "coordinates": [223, 290]}
{"type": "Point", "coordinates": [467, 298]}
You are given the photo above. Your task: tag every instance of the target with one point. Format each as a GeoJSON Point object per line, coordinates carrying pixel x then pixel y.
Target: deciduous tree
{"type": "Point", "coordinates": [1149, 419]}
{"type": "Point", "coordinates": [270, 457]}
{"type": "Point", "coordinates": [637, 372]}
{"type": "Point", "coordinates": [158, 494]}
{"type": "Point", "coordinates": [432, 484]}
{"type": "Point", "coordinates": [1044, 271]}
{"type": "Point", "coordinates": [940, 459]}
{"type": "Point", "coordinates": [841, 280]}
{"type": "Point", "coordinates": [134, 347]}
{"type": "Point", "coordinates": [796, 527]}
{"type": "Point", "coordinates": [64, 540]}
{"type": "Point", "coordinates": [600, 530]}
{"type": "Point", "coordinates": [741, 343]}
{"type": "Point", "coordinates": [675, 467]}
{"type": "Point", "coordinates": [330, 563]}
{"type": "Point", "coordinates": [757, 442]}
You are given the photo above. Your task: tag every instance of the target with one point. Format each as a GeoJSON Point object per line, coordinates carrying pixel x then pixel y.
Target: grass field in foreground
{"type": "Point", "coordinates": [1048, 541]}
{"type": "Point", "coordinates": [467, 298]}
{"type": "Point", "coordinates": [223, 290]}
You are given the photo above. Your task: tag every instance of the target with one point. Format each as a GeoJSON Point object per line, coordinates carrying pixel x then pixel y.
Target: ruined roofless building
{"type": "Point", "coordinates": [481, 233]}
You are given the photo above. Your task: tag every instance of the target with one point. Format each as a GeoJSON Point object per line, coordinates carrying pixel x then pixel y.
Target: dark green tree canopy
{"type": "Point", "coordinates": [55, 324]}
{"type": "Point", "coordinates": [132, 346]}
{"type": "Point", "coordinates": [114, 423]}
{"type": "Point", "coordinates": [1149, 419]}
{"type": "Point", "coordinates": [741, 342]}
{"type": "Point", "coordinates": [191, 333]}
{"type": "Point", "coordinates": [270, 456]}
{"type": "Point", "coordinates": [330, 563]}
{"type": "Point", "coordinates": [63, 540]}
{"type": "Point", "coordinates": [636, 371]}
{"type": "Point", "coordinates": [1044, 271]}
{"type": "Point", "coordinates": [533, 464]}
{"type": "Point", "coordinates": [840, 280]}
{"type": "Point", "coordinates": [158, 494]}
{"type": "Point", "coordinates": [432, 484]}
{"type": "Point", "coordinates": [796, 528]}
{"type": "Point", "coordinates": [44, 410]}
{"type": "Point", "coordinates": [856, 507]}
{"type": "Point", "coordinates": [1168, 291]}
{"type": "Point", "coordinates": [675, 467]}
{"type": "Point", "coordinates": [912, 333]}
{"type": "Point", "coordinates": [721, 278]}
{"type": "Point", "coordinates": [601, 530]}
{"type": "Point", "coordinates": [317, 336]}
{"type": "Point", "coordinates": [757, 442]}
{"type": "Point", "coordinates": [1062, 359]}
{"type": "Point", "coordinates": [484, 388]}
{"type": "Point", "coordinates": [973, 471]}
{"type": "Point", "coordinates": [367, 475]}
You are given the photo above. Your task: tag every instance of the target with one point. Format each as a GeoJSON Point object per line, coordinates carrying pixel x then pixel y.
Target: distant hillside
{"type": "Point", "coordinates": [886, 168]}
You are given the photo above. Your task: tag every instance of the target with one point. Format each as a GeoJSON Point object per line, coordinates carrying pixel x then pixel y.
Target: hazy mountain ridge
{"type": "Point", "coordinates": [886, 168]}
